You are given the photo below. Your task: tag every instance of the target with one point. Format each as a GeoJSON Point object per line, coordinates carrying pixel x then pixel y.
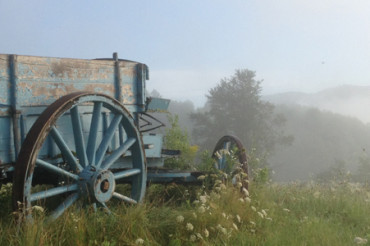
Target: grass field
{"type": "Point", "coordinates": [271, 214]}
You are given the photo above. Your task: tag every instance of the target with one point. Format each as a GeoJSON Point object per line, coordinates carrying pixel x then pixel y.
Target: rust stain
{"type": "Point", "coordinates": [100, 87]}
{"type": "Point", "coordinates": [64, 68]}
{"type": "Point", "coordinates": [127, 91]}
{"type": "Point", "coordinates": [128, 94]}
{"type": "Point", "coordinates": [128, 71]}
{"type": "Point", "coordinates": [47, 90]}
{"type": "Point", "coordinates": [61, 69]}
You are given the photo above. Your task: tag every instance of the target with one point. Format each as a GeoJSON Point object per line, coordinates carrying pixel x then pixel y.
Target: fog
{"type": "Point", "coordinates": [330, 130]}
{"type": "Point", "coordinates": [313, 59]}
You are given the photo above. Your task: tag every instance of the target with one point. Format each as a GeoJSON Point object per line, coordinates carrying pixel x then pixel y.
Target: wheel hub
{"type": "Point", "coordinates": [97, 185]}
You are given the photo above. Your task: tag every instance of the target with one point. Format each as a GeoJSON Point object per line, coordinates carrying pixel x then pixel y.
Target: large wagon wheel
{"type": "Point", "coordinates": [226, 148]}
{"type": "Point", "coordinates": [79, 170]}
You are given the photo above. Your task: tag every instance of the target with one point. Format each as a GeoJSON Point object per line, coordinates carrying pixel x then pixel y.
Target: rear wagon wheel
{"type": "Point", "coordinates": [223, 153]}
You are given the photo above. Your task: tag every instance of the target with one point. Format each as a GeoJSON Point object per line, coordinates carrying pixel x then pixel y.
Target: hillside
{"type": "Point", "coordinates": [347, 100]}
{"type": "Point", "coordinates": [322, 141]}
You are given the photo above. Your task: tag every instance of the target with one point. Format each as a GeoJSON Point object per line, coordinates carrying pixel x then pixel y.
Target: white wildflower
{"type": "Point", "coordinates": [193, 238]}
{"type": "Point", "coordinates": [359, 240]}
{"type": "Point", "coordinates": [196, 202]}
{"type": "Point", "coordinates": [245, 191]}
{"type": "Point", "coordinates": [239, 184]}
{"type": "Point", "coordinates": [286, 210]}
{"type": "Point", "coordinates": [203, 199]}
{"type": "Point", "coordinates": [253, 208]}
{"type": "Point", "coordinates": [264, 212]}
{"type": "Point", "coordinates": [195, 215]}
{"type": "Point", "coordinates": [238, 218]}
{"type": "Point", "coordinates": [139, 241]}
{"type": "Point", "coordinates": [223, 187]}
{"type": "Point", "coordinates": [201, 209]}
{"type": "Point", "coordinates": [252, 223]}
{"type": "Point", "coordinates": [223, 230]}
{"type": "Point", "coordinates": [247, 200]}
{"type": "Point", "coordinates": [38, 208]}
{"type": "Point", "coordinates": [253, 231]}
{"type": "Point", "coordinates": [180, 219]}
{"type": "Point", "coordinates": [224, 215]}
{"type": "Point", "coordinates": [260, 214]}
{"type": "Point", "coordinates": [217, 154]}
{"type": "Point", "coordinates": [241, 200]}
{"type": "Point", "coordinates": [235, 226]}
{"type": "Point", "coordinates": [268, 218]}
{"type": "Point", "coordinates": [199, 235]}
{"type": "Point", "coordinates": [206, 232]}
{"type": "Point", "coordinates": [189, 227]}
{"type": "Point", "coordinates": [201, 177]}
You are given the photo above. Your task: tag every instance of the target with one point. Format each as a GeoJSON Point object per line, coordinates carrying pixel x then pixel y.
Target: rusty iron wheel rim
{"type": "Point", "coordinates": [89, 169]}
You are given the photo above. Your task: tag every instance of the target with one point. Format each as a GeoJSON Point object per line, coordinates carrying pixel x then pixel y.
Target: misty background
{"type": "Point", "coordinates": [312, 59]}
{"type": "Point", "coordinates": [330, 130]}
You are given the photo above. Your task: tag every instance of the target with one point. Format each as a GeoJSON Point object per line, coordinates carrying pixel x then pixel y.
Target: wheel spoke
{"type": "Point", "coordinates": [126, 173]}
{"type": "Point", "coordinates": [56, 169]}
{"type": "Point", "coordinates": [91, 143]}
{"type": "Point", "coordinates": [124, 198]}
{"type": "Point", "coordinates": [53, 192]}
{"type": "Point", "coordinates": [63, 206]}
{"type": "Point", "coordinates": [107, 139]}
{"type": "Point", "coordinates": [78, 136]}
{"type": "Point", "coordinates": [121, 134]}
{"type": "Point", "coordinates": [106, 209]}
{"type": "Point", "coordinates": [66, 152]}
{"type": "Point", "coordinates": [117, 153]}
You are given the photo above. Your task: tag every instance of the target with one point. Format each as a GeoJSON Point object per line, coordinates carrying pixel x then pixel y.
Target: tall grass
{"type": "Point", "coordinates": [272, 214]}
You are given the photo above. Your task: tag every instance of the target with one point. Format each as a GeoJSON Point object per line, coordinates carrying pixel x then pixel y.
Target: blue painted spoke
{"type": "Point", "coordinates": [53, 192]}
{"type": "Point", "coordinates": [126, 173]}
{"type": "Point", "coordinates": [107, 139]}
{"type": "Point", "coordinates": [78, 136]}
{"type": "Point", "coordinates": [124, 198]}
{"type": "Point", "coordinates": [121, 131]}
{"type": "Point", "coordinates": [56, 169]}
{"type": "Point", "coordinates": [117, 153]}
{"type": "Point", "coordinates": [94, 126]}
{"type": "Point", "coordinates": [64, 206]}
{"type": "Point", "coordinates": [66, 152]}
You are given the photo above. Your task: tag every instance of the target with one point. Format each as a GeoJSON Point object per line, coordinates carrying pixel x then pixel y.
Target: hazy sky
{"type": "Point", "coordinates": [190, 45]}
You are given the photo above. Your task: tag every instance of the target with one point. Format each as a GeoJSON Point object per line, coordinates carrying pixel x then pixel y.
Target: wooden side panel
{"type": "Point", "coordinates": [40, 80]}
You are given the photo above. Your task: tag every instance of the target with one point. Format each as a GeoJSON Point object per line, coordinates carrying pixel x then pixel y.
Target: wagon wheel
{"type": "Point", "coordinates": [226, 148]}
{"type": "Point", "coordinates": [54, 152]}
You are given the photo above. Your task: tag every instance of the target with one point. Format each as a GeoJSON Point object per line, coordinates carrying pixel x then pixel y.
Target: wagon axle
{"type": "Point", "coordinates": [97, 185]}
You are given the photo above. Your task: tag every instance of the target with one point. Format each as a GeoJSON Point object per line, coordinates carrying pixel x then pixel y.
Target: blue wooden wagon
{"type": "Point", "coordinates": [72, 129]}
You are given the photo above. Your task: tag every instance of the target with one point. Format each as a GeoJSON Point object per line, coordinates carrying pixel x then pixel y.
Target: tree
{"type": "Point", "coordinates": [176, 138]}
{"type": "Point", "coordinates": [235, 107]}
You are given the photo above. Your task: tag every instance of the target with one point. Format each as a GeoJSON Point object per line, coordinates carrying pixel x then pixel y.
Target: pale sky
{"type": "Point", "coordinates": [190, 45]}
